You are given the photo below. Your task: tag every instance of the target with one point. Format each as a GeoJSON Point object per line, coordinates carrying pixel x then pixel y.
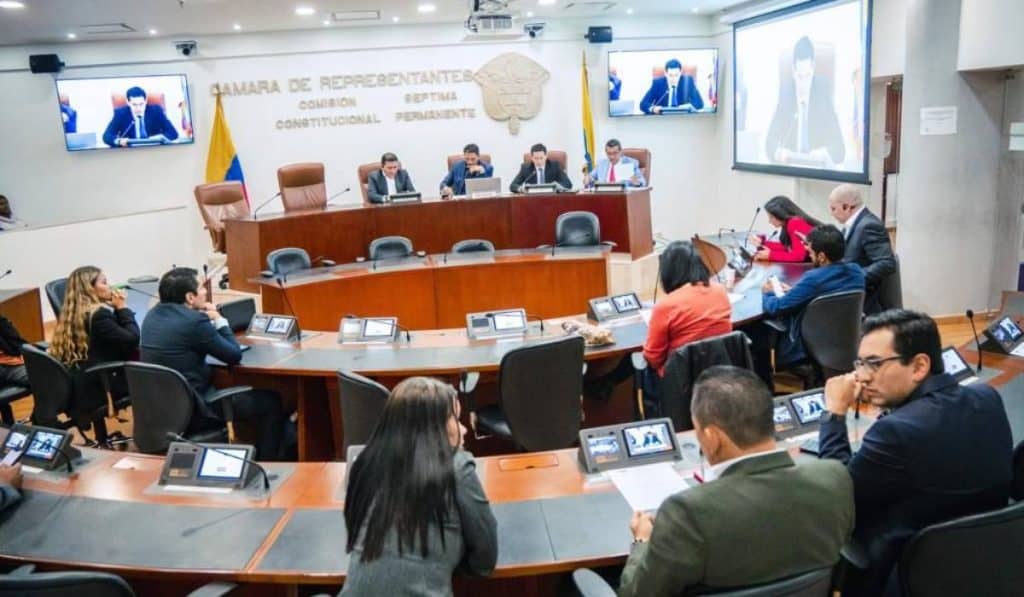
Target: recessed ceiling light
{"type": "Point", "coordinates": [394, 19]}
{"type": "Point", "coordinates": [72, 36]}
{"type": "Point", "coordinates": [426, 8]}
{"type": "Point", "coordinates": [545, 2]}
{"type": "Point", "coordinates": [696, 9]}
{"type": "Point", "coordinates": [529, 14]}
{"type": "Point", "coordinates": [326, 23]}
{"type": "Point", "coordinates": [629, 11]}
{"type": "Point", "coordinates": [11, 4]}
{"type": "Point", "coordinates": [305, 11]}
{"type": "Point", "coordinates": [152, 31]}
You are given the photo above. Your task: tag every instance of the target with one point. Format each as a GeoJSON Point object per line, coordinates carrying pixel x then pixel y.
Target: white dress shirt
{"type": "Point", "coordinates": [716, 471]}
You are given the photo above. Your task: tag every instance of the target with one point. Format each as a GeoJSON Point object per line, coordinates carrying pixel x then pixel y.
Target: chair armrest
{"type": "Point", "coordinates": [104, 367]}
{"type": "Point", "coordinates": [776, 325]}
{"type": "Point", "coordinates": [543, 247]}
{"type": "Point", "coordinates": [214, 589]}
{"type": "Point", "coordinates": [42, 345]}
{"type": "Point", "coordinates": [854, 554]}
{"type": "Point", "coordinates": [590, 584]}
{"type": "Point", "coordinates": [328, 262]}
{"type": "Point", "coordinates": [266, 273]}
{"type": "Point", "coordinates": [25, 570]}
{"type": "Point", "coordinates": [231, 392]}
{"type": "Point", "coordinates": [639, 362]}
{"type": "Point", "coordinates": [610, 243]}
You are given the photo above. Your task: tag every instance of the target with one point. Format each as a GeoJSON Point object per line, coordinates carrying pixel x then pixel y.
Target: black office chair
{"type": "Point", "coordinates": [973, 555]}
{"type": "Point", "coordinates": [815, 583]}
{"type": "Point", "coordinates": [389, 247]}
{"type": "Point", "coordinates": [362, 404]}
{"type": "Point", "coordinates": [25, 582]}
{"type": "Point", "coordinates": [539, 389]}
{"type": "Point", "coordinates": [579, 229]}
{"type": "Point", "coordinates": [163, 401]}
{"type": "Point", "coordinates": [890, 291]}
{"type": "Point", "coordinates": [473, 245]}
{"type": "Point", "coordinates": [281, 262]}
{"type": "Point", "coordinates": [55, 291]}
{"type": "Point", "coordinates": [8, 395]}
{"type": "Point", "coordinates": [1017, 490]}
{"type": "Point", "coordinates": [830, 329]}
{"type": "Point", "coordinates": [238, 313]}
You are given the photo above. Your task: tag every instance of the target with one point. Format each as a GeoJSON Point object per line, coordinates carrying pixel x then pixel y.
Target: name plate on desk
{"type": "Point", "coordinates": [483, 194]}
{"type": "Point", "coordinates": [540, 189]}
{"type": "Point", "coordinates": [274, 327]}
{"type": "Point", "coordinates": [610, 187]}
{"type": "Point", "coordinates": [628, 444]}
{"type": "Point", "coordinates": [606, 308]}
{"type": "Point", "coordinates": [367, 329]}
{"type": "Point", "coordinates": [411, 197]}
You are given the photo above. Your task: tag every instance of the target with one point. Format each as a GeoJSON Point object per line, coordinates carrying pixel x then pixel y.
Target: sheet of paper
{"type": "Point", "coordinates": [1018, 352]}
{"type": "Point", "coordinates": [197, 489]}
{"type": "Point", "coordinates": [734, 298]}
{"type": "Point", "coordinates": [646, 487]}
{"type": "Point", "coordinates": [646, 314]}
{"type": "Point", "coordinates": [128, 463]}
{"type": "Point", "coordinates": [623, 172]}
{"type": "Point", "coordinates": [938, 120]}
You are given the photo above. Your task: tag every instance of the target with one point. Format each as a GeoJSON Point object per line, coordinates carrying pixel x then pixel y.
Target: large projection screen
{"type": "Point", "coordinates": [802, 76]}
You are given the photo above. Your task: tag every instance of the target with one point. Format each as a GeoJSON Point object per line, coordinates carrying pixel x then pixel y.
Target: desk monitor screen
{"type": "Point", "coordinates": [44, 445]}
{"type": "Point", "coordinates": [482, 323]}
{"type": "Point", "coordinates": [604, 448]}
{"type": "Point", "coordinates": [783, 418]}
{"type": "Point", "coordinates": [279, 325]}
{"type": "Point", "coordinates": [17, 439]}
{"type": "Point", "coordinates": [505, 321]}
{"type": "Point", "coordinates": [643, 440]}
{"type": "Point", "coordinates": [226, 465]}
{"type": "Point", "coordinates": [603, 308]}
{"type": "Point", "coordinates": [953, 363]}
{"type": "Point", "coordinates": [379, 328]}
{"type": "Point", "coordinates": [1006, 331]}
{"type": "Point", "coordinates": [259, 324]}
{"type": "Point", "coordinates": [625, 303]}
{"type": "Point", "coordinates": [808, 407]}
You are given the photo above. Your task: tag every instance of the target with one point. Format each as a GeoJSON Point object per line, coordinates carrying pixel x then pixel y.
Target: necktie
{"type": "Point", "coordinates": [611, 172]}
{"type": "Point", "coordinates": [140, 128]}
{"type": "Point", "coordinates": [804, 141]}
{"type": "Point", "coordinates": [672, 100]}
{"type": "Point", "coordinates": [540, 176]}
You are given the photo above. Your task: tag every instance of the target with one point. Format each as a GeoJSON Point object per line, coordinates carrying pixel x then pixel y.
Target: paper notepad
{"type": "Point", "coordinates": [735, 298]}
{"type": "Point", "coordinates": [623, 172]}
{"type": "Point", "coordinates": [646, 487]}
{"type": "Point", "coordinates": [1018, 352]}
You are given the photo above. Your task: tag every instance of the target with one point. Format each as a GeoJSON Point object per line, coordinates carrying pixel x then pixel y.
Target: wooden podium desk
{"type": "Point", "coordinates": [438, 291]}
{"type": "Point", "coordinates": [21, 306]}
{"type": "Point", "coordinates": [343, 233]}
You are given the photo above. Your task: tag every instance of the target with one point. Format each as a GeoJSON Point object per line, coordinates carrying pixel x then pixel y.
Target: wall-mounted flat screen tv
{"type": "Point", "coordinates": [662, 82]}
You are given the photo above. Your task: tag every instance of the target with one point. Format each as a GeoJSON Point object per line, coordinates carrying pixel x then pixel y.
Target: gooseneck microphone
{"type": "Point", "coordinates": [174, 437]}
{"type": "Point", "coordinates": [750, 230]}
{"type": "Point", "coordinates": [402, 328]}
{"type": "Point", "coordinates": [336, 195]}
{"type": "Point", "coordinates": [532, 317]}
{"type": "Point", "coordinates": [284, 293]}
{"type": "Point", "coordinates": [977, 343]}
{"type": "Point", "coordinates": [134, 289]}
{"type": "Point", "coordinates": [264, 204]}
{"type": "Point", "coordinates": [5, 274]}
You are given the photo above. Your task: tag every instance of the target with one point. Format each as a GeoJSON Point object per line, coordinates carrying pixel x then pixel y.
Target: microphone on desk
{"type": "Point", "coordinates": [264, 204]}
{"type": "Point", "coordinates": [336, 195]}
{"type": "Point", "coordinates": [977, 343]}
{"type": "Point", "coordinates": [750, 230]}
{"type": "Point", "coordinates": [532, 317]}
{"type": "Point", "coordinates": [408, 337]}
{"type": "Point", "coordinates": [174, 437]}
{"type": "Point", "coordinates": [284, 293]}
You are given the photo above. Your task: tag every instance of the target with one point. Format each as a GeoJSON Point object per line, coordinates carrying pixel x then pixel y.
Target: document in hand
{"type": "Point", "coordinates": [645, 487]}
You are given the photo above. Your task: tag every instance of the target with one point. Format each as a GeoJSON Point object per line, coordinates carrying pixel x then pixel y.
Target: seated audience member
{"type": "Point", "coordinates": [10, 483]}
{"type": "Point", "coordinates": [540, 170]}
{"type": "Point", "coordinates": [180, 332]}
{"type": "Point", "coordinates": [391, 179]}
{"type": "Point", "coordinates": [943, 451]}
{"type": "Point", "coordinates": [12, 366]}
{"type": "Point", "coordinates": [867, 241]}
{"type": "Point", "coordinates": [727, 532]}
{"type": "Point", "coordinates": [7, 219]}
{"type": "Point", "coordinates": [470, 166]}
{"type": "Point", "coordinates": [415, 510]}
{"type": "Point", "coordinates": [830, 274]}
{"type": "Point", "coordinates": [605, 170]}
{"type": "Point", "coordinates": [793, 224]}
{"type": "Point", "coordinates": [95, 326]}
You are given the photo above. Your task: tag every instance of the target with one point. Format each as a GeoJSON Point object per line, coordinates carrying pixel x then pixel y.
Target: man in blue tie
{"type": "Point", "coordinates": [674, 90]}
{"type": "Point", "coordinates": [138, 120]}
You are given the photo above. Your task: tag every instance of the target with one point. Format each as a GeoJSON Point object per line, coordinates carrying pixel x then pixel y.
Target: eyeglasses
{"type": "Point", "coordinates": [873, 365]}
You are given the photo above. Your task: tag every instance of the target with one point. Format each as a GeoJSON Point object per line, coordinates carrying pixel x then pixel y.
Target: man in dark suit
{"type": "Point", "coordinates": [805, 129]}
{"type": "Point", "coordinates": [540, 170]}
{"type": "Point", "coordinates": [470, 166]}
{"type": "Point", "coordinates": [674, 90]}
{"type": "Point", "coordinates": [138, 120]}
{"type": "Point", "coordinates": [867, 241]}
{"type": "Point", "coordinates": [942, 452]}
{"type": "Point", "coordinates": [389, 180]}
{"type": "Point", "coordinates": [180, 332]}
{"type": "Point", "coordinates": [728, 531]}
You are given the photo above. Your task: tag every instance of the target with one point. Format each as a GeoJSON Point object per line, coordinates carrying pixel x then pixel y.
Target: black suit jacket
{"type": "Point", "coordinates": [945, 453]}
{"type": "Point", "coordinates": [658, 94]}
{"type": "Point", "coordinates": [528, 175]}
{"type": "Point", "coordinates": [377, 185]}
{"type": "Point", "coordinates": [822, 123]}
{"type": "Point", "coordinates": [868, 246]}
{"type": "Point", "coordinates": [123, 125]}
{"type": "Point", "coordinates": [10, 339]}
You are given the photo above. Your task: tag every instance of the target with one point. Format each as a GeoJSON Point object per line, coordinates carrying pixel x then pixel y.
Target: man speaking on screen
{"type": "Point", "coordinates": [138, 120]}
{"type": "Point", "coordinates": [805, 128]}
{"type": "Point", "coordinates": [676, 91]}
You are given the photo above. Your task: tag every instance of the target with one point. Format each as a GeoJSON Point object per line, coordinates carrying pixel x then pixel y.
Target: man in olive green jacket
{"type": "Point", "coordinates": [757, 518]}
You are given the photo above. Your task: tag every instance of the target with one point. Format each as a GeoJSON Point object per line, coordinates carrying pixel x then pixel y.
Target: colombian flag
{"type": "Point", "coordinates": [222, 162]}
{"type": "Point", "coordinates": [588, 119]}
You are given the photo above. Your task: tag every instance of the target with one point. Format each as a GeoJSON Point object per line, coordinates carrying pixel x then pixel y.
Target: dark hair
{"type": "Point", "coordinates": [538, 147]}
{"type": "Point", "coordinates": [405, 478]}
{"type": "Point", "coordinates": [913, 333]}
{"type": "Point", "coordinates": [135, 92]}
{"type": "Point", "coordinates": [803, 50]}
{"type": "Point", "coordinates": [680, 264]}
{"type": "Point", "coordinates": [673, 63]}
{"type": "Point", "coordinates": [5, 207]}
{"type": "Point", "coordinates": [471, 148]}
{"type": "Point", "coordinates": [613, 143]}
{"type": "Point", "coordinates": [783, 208]}
{"type": "Point", "coordinates": [827, 239]}
{"type": "Point", "coordinates": [178, 282]}
{"type": "Point", "coordinates": [388, 157]}
{"type": "Point", "coordinates": [736, 401]}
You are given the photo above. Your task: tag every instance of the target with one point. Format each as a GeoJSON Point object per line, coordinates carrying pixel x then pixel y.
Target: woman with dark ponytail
{"type": "Point", "coordinates": [793, 223]}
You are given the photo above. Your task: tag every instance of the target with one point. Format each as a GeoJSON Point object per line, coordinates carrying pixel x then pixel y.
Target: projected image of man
{"type": "Point", "coordinates": [138, 120]}
{"type": "Point", "coordinates": [805, 129]}
{"type": "Point", "coordinates": [676, 90]}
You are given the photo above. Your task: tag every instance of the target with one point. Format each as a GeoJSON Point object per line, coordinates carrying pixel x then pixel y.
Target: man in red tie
{"type": "Point", "coordinates": [615, 168]}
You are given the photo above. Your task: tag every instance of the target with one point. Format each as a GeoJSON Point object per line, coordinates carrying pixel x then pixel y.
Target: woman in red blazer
{"type": "Point", "coordinates": [793, 224]}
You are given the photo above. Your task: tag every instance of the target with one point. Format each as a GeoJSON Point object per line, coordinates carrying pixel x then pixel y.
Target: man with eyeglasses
{"type": "Point", "coordinates": [943, 451]}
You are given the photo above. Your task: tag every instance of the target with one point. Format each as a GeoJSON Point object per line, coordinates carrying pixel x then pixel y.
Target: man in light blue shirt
{"type": "Point", "coordinates": [611, 168]}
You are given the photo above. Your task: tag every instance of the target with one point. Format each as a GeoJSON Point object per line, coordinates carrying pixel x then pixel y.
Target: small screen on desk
{"type": "Point", "coordinates": [259, 323]}
{"type": "Point", "coordinates": [952, 362]}
{"type": "Point", "coordinates": [782, 418]}
{"type": "Point", "coordinates": [16, 440]}
{"type": "Point", "coordinates": [378, 328]}
{"type": "Point", "coordinates": [509, 320]}
{"type": "Point", "coordinates": [44, 445]}
{"type": "Point", "coordinates": [604, 448]}
{"type": "Point", "coordinates": [278, 325]}
{"type": "Point", "coordinates": [1006, 330]}
{"type": "Point", "coordinates": [603, 308]}
{"type": "Point", "coordinates": [481, 323]}
{"type": "Point", "coordinates": [626, 302]}
{"type": "Point", "coordinates": [225, 463]}
{"type": "Point", "coordinates": [648, 439]}
{"type": "Point", "coordinates": [809, 408]}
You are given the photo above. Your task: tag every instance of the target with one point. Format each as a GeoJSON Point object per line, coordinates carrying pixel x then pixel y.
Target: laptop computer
{"type": "Point", "coordinates": [80, 140]}
{"type": "Point", "coordinates": [483, 187]}
{"type": "Point", "coordinates": [621, 107]}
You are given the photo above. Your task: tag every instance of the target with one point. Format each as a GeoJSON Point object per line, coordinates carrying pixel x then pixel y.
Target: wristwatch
{"type": "Point", "coordinates": [831, 416]}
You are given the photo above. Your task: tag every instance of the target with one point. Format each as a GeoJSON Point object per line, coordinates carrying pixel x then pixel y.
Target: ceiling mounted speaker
{"type": "Point", "coordinates": [45, 63]}
{"type": "Point", "coordinates": [599, 35]}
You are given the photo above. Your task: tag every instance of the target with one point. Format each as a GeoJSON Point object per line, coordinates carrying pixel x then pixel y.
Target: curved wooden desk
{"type": "Point", "coordinates": [342, 233]}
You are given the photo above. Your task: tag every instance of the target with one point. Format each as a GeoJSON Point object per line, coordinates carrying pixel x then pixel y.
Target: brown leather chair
{"type": "Point", "coordinates": [154, 98]}
{"type": "Point", "coordinates": [642, 155]}
{"type": "Point", "coordinates": [555, 156]}
{"type": "Point", "coordinates": [363, 173]}
{"type": "Point", "coordinates": [302, 186]}
{"type": "Point", "coordinates": [484, 157]}
{"type": "Point", "coordinates": [712, 255]}
{"type": "Point", "coordinates": [219, 201]}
